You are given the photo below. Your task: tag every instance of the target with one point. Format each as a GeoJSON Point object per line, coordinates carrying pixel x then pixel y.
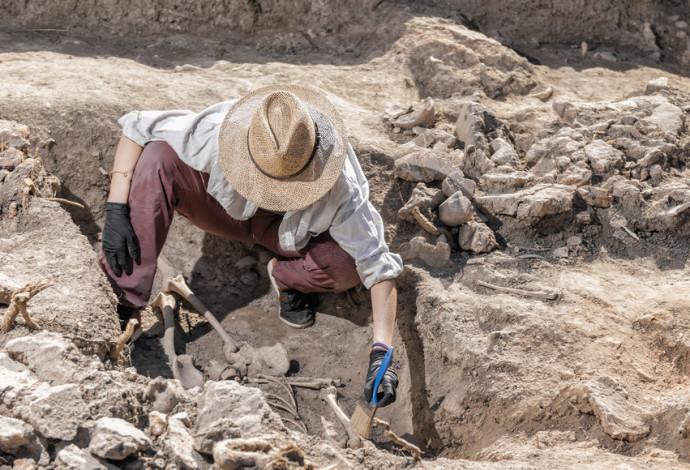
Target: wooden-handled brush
{"type": "Point", "coordinates": [364, 413]}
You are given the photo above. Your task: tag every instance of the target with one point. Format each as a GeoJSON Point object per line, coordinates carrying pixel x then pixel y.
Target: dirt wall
{"type": "Point", "coordinates": [654, 28]}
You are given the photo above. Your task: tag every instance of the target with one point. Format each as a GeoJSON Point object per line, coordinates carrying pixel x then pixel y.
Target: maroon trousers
{"type": "Point", "coordinates": [163, 184]}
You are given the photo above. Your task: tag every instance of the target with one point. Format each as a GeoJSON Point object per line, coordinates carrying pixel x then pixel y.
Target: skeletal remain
{"type": "Point", "coordinates": [527, 293]}
{"type": "Point", "coordinates": [677, 210]}
{"type": "Point", "coordinates": [178, 284]}
{"type": "Point", "coordinates": [181, 366]}
{"type": "Point", "coordinates": [123, 338]}
{"type": "Point", "coordinates": [29, 189]}
{"type": "Point", "coordinates": [411, 448]}
{"type": "Point", "coordinates": [329, 395]}
{"type": "Point", "coordinates": [65, 201]}
{"type": "Point", "coordinates": [427, 225]}
{"type": "Point", "coordinates": [304, 382]}
{"type": "Point", "coordinates": [544, 95]}
{"type": "Point", "coordinates": [18, 300]}
{"type": "Point", "coordinates": [241, 453]}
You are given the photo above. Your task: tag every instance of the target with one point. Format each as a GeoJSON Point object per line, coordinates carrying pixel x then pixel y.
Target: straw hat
{"type": "Point", "coordinates": [282, 147]}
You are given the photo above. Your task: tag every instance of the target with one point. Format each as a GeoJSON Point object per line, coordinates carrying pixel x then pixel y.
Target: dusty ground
{"type": "Point", "coordinates": [595, 378]}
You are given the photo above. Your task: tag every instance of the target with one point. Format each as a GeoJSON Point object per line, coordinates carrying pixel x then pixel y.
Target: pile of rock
{"type": "Point", "coordinates": [61, 407]}
{"type": "Point", "coordinates": [615, 163]}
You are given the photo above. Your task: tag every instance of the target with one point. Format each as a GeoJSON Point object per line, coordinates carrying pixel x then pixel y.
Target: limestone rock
{"type": "Point", "coordinates": [430, 137]}
{"type": "Point", "coordinates": [476, 237]}
{"type": "Point", "coordinates": [49, 355]}
{"type": "Point", "coordinates": [505, 179]}
{"type": "Point", "coordinates": [503, 152]}
{"type": "Point", "coordinates": [422, 166]}
{"type": "Point", "coordinates": [619, 418]}
{"type": "Point", "coordinates": [14, 434]}
{"type": "Point", "coordinates": [476, 163]}
{"type": "Point", "coordinates": [603, 157]}
{"type": "Point", "coordinates": [455, 182]}
{"type": "Point", "coordinates": [536, 202]}
{"type": "Point", "coordinates": [55, 412]}
{"type": "Point", "coordinates": [178, 445]}
{"type": "Point", "coordinates": [164, 394]}
{"type": "Point", "coordinates": [422, 115]}
{"type": "Point", "coordinates": [474, 121]}
{"type": "Point", "coordinates": [595, 196]}
{"type": "Point", "coordinates": [456, 210]}
{"type": "Point", "coordinates": [545, 200]}
{"type": "Point", "coordinates": [158, 423]}
{"type": "Point", "coordinates": [435, 256]}
{"type": "Point", "coordinates": [218, 431]}
{"type": "Point", "coordinates": [230, 400]}
{"type": "Point", "coordinates": [655, 155]}
{"type": "Point", "coordinates": [116, 439]}
{"type": "Point", "coordinates": [657, 85]}
{"type": "Point", "coordinates": [14, 135]}
{"type": "Point", "coordinates": [667, 117]}
{"type": "Point", "coordinates": [575, 175]}
{"type": "Point", "coordinates": [15, 379]}
{"type": "Point", "coordinates": [422, 197]}
{"type": "Point", "coordinates": [10, 158]}
{"type": "Point", "coordinates": [74, 458]}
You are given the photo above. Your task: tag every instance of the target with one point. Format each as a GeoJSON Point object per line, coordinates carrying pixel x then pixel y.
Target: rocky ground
{"type": "Point", "coordinates": [538, 194]}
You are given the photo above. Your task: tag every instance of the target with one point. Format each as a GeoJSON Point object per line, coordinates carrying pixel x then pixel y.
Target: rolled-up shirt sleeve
{"type": "Point", "coordinates": [358, 229]}
{"type": "Point", "coordinates": [193, 136]}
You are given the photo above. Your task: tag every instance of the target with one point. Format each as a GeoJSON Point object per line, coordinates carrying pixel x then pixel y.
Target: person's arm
{"type": "Point", "coordinates": [126, 157]}
{"type": "Point", "coordinates": [384, 297]}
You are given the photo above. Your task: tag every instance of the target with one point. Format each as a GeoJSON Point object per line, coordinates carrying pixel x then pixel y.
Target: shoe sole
{"type": "Point", "coordinates": [296, 325]}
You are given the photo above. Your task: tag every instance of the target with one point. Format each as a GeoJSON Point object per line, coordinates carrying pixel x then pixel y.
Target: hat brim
{"type": "Point", "coordinates": [283, 194]}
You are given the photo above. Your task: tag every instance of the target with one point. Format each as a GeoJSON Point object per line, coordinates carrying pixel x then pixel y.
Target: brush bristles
{"type": "Point", "coordinates": [362, 418]}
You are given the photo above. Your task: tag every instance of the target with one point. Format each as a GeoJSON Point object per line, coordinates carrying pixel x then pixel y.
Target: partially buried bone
{"type": "Point", "coordinates": [181, 366]}
{"type": "Point", "coordinates": [178, 284]}
{"type": "Point", "coordinates": [329, 396]}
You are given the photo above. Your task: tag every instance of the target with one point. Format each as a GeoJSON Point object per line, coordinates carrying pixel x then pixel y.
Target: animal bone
{"type": "Point", "coordinates": [329, 395]}
{"type": "Point", "coordinates": [510, 290]}
{"type": "Point", "coordinates": [178, 284]}
{"type": "Point", "coordinates": [411, 448]}
{"type": "Point", "coordinates": [304, 382]}
{"type": "Point", "coordinates": [123, 338]}
{"type": "Point", "coordinates": [18, 300]}
{"type": "Point", "coordinates": [182, 367]}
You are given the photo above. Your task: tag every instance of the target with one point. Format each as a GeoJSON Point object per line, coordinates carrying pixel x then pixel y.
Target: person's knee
{"type": "Point", "coordinates": [156, 157]}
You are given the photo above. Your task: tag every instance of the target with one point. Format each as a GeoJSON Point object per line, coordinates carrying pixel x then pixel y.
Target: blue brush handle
{"type": "Point", "coordinates": [382, 370]}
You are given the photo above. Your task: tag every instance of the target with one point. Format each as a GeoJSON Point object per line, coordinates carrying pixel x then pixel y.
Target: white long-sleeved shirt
{"type": "Point", "coordinates": [345, 210]}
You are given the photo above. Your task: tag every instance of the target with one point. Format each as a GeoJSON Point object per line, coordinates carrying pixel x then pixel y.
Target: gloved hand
{"type": "Point", "coordinates": [389, 382]}
{"type": "Point", "coordinates": [119, 238]}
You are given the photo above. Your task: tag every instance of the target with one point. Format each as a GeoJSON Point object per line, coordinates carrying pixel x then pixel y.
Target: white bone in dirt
{"type": "Point", "coordinates": [182, 366]}
{"type": "Point", "coordinates": [329, 396]}
{"type": "Point", "coordinates": [178, 284]}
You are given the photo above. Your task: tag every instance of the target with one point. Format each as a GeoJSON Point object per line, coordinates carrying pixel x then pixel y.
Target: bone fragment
{"type": "Point", "coordinates": [427, 225]}
{"type": "Point", "coordinates": [178, 284]}
{"type": "Point", "coordinates": [123, 338]}
{"type": "Point", "coordinates": [527, 293]}
{"type": "Point", "coordinates": [544, 95]}
{"type": "Point", "coordinates": [411, 448]}
{"type": "Point", "coordinates": [18, 300]}
{"type": "Point", "coordinates": [329, 396]}
{"type": "Point", "coordinates": [304, 382]}
{"type": "Point", "coordinates": [65, 201]}
{"type": "Point", "coordinates": [182, 366]}
{"type": "Point", "coordinates": [677, 210]}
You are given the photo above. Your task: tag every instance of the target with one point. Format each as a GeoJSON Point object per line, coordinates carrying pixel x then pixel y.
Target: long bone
{"type": "Point", "coordinates": [178, 284]}
{"type": "Point", "coordinates": [181, 366]}
{"type": "Point", "coordinates": [329, 396]}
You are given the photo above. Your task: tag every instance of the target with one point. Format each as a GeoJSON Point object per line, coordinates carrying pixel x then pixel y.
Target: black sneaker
{"type": "Point", "coordinates": [297, 309]}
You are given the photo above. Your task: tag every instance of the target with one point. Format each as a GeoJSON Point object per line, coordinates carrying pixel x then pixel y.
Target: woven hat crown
{"type": "Point", "coordinates": [281, 135]}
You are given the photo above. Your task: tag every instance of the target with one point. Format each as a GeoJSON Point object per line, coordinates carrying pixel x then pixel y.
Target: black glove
{"type": "Point", "coordinates": [389, 382]}
{"type": "Point", "coordinates": [119, 238]}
